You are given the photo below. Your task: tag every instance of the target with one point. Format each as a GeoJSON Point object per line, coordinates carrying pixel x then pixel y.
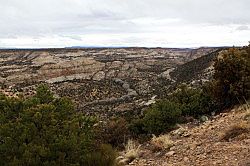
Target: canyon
{"type": "Point", "coordinates": [104, 81]}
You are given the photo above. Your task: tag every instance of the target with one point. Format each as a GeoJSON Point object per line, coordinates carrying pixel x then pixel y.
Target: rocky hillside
{"type": "Point", "coordinates": [223, 140]}
{"type": "Point", "coordinates": [197, 69]}
{"type": "Point", "coordinates": [107, 81]}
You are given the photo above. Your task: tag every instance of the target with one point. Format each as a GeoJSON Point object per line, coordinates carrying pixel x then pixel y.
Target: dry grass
{"type": "Point", "coordinates": [247, 115]}
{"type": "Point", "coordinates": [241, 128]}
{"type": "Point", "coordinates": [236, 131]}
{"type": "Point", "coordinates": [132, 150]}
{"type": "Point", "coordinates": [247, 109]}
{"type": "Point", "coordinates": [162, 142]}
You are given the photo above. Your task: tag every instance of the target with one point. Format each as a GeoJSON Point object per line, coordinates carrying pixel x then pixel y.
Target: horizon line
{"type": "Point", "coordinates": [99, 47]}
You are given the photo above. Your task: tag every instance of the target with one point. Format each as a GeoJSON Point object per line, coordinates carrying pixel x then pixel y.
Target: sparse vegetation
{"type": "Point", "coordinates": [235, 131]}
{"type": "Point", "coordinates": [164, 115]}
{"type": "Point", "coordinates": [115, 132]}
{"type": "Point", "coordinates": [231, 85]}
{"type": "Point", "coordinates": [132, 151]}
{"type": "Point", "coordinates": [247, 115]}
{"type": "Point", "coordinates": [44, 130]}
{"type": "Point", "coordinates": [162, 142]}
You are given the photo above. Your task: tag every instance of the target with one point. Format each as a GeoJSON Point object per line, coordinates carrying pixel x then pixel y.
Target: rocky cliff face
{"type": "Point", "coordinates": [114, 80]}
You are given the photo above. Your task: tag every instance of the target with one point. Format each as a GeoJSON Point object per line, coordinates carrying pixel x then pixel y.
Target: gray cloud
{"type": "Point", "coordinates": [242, 28]}
{"type": "Point", "coordinates": [76, 18]}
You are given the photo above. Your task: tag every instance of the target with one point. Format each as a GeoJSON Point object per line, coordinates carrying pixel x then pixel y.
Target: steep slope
{"type": "Point", "coordinates": [224, 140]}
{"type": "Point", "coordinates": [199, 68]}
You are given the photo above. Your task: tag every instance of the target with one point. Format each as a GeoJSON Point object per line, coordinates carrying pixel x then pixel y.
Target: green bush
{"type": "Point", "coordinates": [231, 85]}
{"type": "Point", "coordinates": [136, 127]}
{"type": "Point", "coordinates": [45, 131]}
{"type": "Point", "coordinates": [193, 102]}
{"type": "Point", "coordinates": [115, 132]}
{"type": "Point", "coordinates": [103, 156]}
{"type": "Point", "coordinates": [163, 116]}
{"type": "Point", "coordinates": [159, 118]}
{"type": "Point", "coordinates": [232, 76]}
{"type": "Point", "coordinates": [43, 94]}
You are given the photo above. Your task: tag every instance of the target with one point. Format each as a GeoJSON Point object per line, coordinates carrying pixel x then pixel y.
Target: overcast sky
{"type": "Point", "coordinates": [150, 23]}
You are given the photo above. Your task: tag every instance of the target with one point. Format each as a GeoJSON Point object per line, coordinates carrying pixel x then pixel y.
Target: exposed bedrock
{"type": "Point", "coordinates": [100, 80]}
{"type": "Point", "coordinates": [127, 97]}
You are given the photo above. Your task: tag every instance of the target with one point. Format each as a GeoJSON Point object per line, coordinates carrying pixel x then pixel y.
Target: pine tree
{"type": "Point", "coordinates": [42, 130]}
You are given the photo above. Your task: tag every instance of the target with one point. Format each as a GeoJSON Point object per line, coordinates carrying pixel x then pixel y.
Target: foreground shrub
{"type": "Point", "coordinates": [104, 155]}
{"type": "Point", "coordinates": [115, 132]}
{"type": "Point", "coordinates": [161, 117]}
{"type": "Point", "coordinates": [137, 127]}
{"type": "Point", "coordinates": [232, 76]}
{"type": "Point", "coordinates": [193, 102]}
{"type": "Point", "coordinates": [43, 130]}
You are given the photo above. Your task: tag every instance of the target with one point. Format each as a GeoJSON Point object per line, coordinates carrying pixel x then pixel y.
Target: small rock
{"type": "Point", "coordinates": [186, 159]}
{"type": "Point", "coordinates": [204, 118]}
{"type": "Point", "coordinates": [120, 158]}
{"type": "Point", "coordinates": [124, 161]}
{"type": "Point", "coordinates": [194, 145]}
{"type": "Point", "coordinates": [247, 117]}
{"type": "Point", "coordinates": [158, 154]}
{"type": "Point", "coordinates": [170, 153]}
{"type": "Point", "coordinates": [186, 134]}
{"type": "Point", "coordinates": [172, 148]}
{"type": "Point", "coordinates": [178, 132]}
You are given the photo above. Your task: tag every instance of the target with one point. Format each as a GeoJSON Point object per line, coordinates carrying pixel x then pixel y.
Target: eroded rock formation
{"type": "Point", "coordinates": [98, 80]}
